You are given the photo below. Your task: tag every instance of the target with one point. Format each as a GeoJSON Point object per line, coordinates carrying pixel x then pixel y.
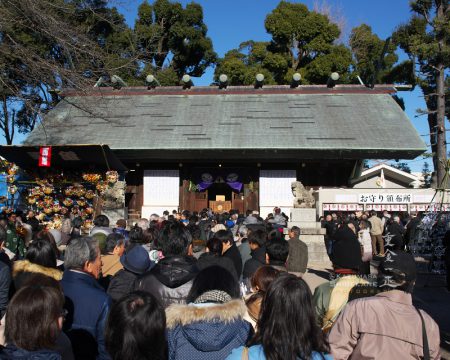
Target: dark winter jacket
{"type": "Point", "coordinates": [170, 280]}
{"type": "Point", "coordinates": [412, 231]}
{"type": "Point", "coordinates": [235, 256]}
{"type": "Point", "coordinates": [205, 229]}
{"type": "Point", "coordinates": [446, 243]}
{"type": "Point", "coordinates": [13, 352]}
{"type": "Point", "coordinates": [206, 331]}
{"type": "Point", "coordinates": [88, 306]}
{"type": "Point", "coordinates": [121, 284]}
{"type": "Point", "coordinates": [298, 256]}
{"type": "Point", "coordinates": [346, 252]}
{"type": "Point", "coordinates": [396, 231]}
{"type": "Point", "coordinates": [257, 260]}
{"type": "Point", "coordinates": [207, 259]}
{"type": "Point", "coordinates": [330, 227]}
{"type": "Point", "coordinates": [5, 282]}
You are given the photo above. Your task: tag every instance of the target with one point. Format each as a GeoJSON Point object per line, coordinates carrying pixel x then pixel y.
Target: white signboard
{"type": "Point", "coordinates": [162, 188]}
{"type": "Point", "coordinates": [374, 198]}
{"type": "Point", "coordinates": [275, 190]}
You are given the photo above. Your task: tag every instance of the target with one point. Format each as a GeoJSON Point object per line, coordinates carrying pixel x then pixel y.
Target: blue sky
{"type": "Point", "coordinates": [231, 22]}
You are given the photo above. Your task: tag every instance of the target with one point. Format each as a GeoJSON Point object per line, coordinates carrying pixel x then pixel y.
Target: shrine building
{"type": "Point", "coordinates": [238, 147]}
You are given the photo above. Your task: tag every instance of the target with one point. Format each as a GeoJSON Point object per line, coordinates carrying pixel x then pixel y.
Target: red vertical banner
{"type": "Point", "coordinates": [45, 156]}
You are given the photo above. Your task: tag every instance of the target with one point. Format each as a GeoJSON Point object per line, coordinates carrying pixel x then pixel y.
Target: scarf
{"type": "Point", "coordinates": [214, 296]}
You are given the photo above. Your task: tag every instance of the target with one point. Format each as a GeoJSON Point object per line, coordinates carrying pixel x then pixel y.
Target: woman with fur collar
{"type": "Point", "coordinates": [212, 324]}
{"type": "Point", "coordinates": [40, 259]}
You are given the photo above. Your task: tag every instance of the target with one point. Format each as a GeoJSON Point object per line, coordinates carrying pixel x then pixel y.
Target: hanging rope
{"type": "Point", "coordinates": [442, 186]}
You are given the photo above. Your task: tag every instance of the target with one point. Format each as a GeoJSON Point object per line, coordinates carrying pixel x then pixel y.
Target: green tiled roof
{"type": "Point", "coordinates": [296, 122]}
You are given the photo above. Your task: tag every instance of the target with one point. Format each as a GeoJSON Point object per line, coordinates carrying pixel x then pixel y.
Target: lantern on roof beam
{"type": "Point", "coordinates": [152, 82]}
{"type": "Point", "coordinates": [259, 81]}
{"type": "Point", "coordinates": [102, 81]}
{"type": "Point", "coordinates": [187, 82]}
{"type": "Point", "coordinates": [296, 78]}
{"type": "Point", "coordinates": [223, 81]}
{"type": "Point", "coordinates": [117, 82]}
{"type": "Point", "coordinates": [332, 80]}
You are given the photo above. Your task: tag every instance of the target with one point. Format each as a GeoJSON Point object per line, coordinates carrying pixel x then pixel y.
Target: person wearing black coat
{"type": "Point", "coordinates": [396, 231]}
{"type": "Point", "coordinates": [330, 226]}
{"type": "Point", "coordinates": [446, 243]}
{"type": "Point", "coordinates": [230, 250]}
{"type": "Point", "coordinates": [135, 262]}
{"type": "Point", "coordinates": [412, 231]}
{"type": "Point", "coordinates": [257, 240]}
{"type": "Point", "coordinates": [5, 275]}
{"type": "Point", "coordinates": [213, 257]}
{"type": "Point", "coordinates": [346, 249]}
{"type": "Point", "coordinates": [171, 278]}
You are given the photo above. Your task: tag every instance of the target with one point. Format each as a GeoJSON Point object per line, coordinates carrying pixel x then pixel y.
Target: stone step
{"type": "Point", "coordinates": [317, 252]}
{"type": "Point", "coordinates": [303, 225]}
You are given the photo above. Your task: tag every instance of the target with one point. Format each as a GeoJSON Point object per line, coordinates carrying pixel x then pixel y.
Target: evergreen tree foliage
{"type": "Point", "coordinates": [426, 40]}
{"type": "Point", "coordinates": [173, 40]}
{"type": "Point", "coordinates": [369, 51]}
{"type": "Point", "coordinates": [402, 166]}
{"type": "Point", "coordinates": [302, 41]}
{"type": "Point", "coordinates": [426, 174]}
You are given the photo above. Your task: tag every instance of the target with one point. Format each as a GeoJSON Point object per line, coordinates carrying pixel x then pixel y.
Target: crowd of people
{"type": "Point", "coordinates": [209, 286]}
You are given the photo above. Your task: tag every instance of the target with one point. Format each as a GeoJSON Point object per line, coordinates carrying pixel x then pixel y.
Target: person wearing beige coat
{"type": "Point", "coordinates": [387, 325]}
{"type": "Point", "coordinates": [376, 233]}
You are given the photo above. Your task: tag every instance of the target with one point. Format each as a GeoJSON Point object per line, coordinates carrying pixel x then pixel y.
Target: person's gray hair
{"type": "Point", "coordinates": [142, 223]}
{"type": "Point", "coordinates": [396, 218]}
{"type": "Point", "coordinates": [79, 251]}
{"type": "Point", "coordinates": [243, 231]}
{"type": "Point", "coordinates": [154, 217]}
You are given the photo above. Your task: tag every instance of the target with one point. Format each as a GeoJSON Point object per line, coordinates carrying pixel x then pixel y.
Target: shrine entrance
{"type": "Point", "coordinates": [220, 197]}
{"type": "Point", "coordinates": [220, 189]}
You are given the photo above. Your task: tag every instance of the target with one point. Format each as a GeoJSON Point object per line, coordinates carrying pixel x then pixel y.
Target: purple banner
{"type": "Point", "coordinates": [204, 185]}
{"type": "Point", "coordinates": [235, 185]}
{"type": "Point", "coordinates": [207, 178]}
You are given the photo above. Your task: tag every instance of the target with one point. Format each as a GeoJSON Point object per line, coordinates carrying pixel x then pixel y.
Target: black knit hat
{"type": "Point", "coordinates": [346, 252]}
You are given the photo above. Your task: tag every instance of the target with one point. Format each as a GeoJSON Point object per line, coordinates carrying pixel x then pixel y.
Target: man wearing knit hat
{"type": "Point", "coordinates": [387, 325]}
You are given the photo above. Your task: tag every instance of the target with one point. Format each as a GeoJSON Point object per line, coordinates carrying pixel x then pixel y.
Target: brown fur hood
{"type": "Point", "coordinates": [26, 266]}
{"type": "Point", "coordinates": [187, 314]}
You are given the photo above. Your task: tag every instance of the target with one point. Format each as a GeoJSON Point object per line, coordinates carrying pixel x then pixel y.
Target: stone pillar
{"type": "Point", "coordinates": [311, 233]}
